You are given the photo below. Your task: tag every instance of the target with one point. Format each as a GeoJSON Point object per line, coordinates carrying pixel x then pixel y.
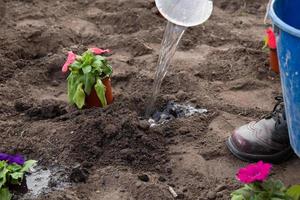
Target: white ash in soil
{"type": "Point", "coordinates": [172, 111]}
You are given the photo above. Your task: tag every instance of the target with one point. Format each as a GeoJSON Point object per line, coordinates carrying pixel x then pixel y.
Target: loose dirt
{"type": "Point", "coordinates": [219, 66]}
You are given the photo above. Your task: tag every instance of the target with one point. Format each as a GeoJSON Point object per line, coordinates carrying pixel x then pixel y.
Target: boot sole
{"type": "Point", "coordinates": [274, 158]}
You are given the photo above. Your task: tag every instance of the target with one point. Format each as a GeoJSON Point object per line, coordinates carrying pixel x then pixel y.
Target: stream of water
{"type": "Point", "coordinates": [173, 34]}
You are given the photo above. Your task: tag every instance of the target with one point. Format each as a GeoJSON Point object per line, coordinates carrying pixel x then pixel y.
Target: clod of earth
{"type": "Point", "coordinates": [144, 177]}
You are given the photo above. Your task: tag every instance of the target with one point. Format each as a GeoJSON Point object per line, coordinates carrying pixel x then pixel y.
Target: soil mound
{"type": "Point", "coordinates": [107, 137]}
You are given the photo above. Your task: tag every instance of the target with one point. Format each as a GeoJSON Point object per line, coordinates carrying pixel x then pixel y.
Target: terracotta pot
{"type": "Point", "coordinates": [92, 100]}
{"type": "Point", "coordinates": [274, 65]}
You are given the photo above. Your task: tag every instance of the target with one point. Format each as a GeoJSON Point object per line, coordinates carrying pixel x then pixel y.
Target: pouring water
{"type": "Point", "coordinates": [180, 15]}
{"type": "Point", "coordinates": [172, 36]}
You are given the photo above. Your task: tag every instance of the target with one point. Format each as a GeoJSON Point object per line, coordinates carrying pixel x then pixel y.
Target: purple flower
{"type": "Point", "coordinates": [18, 159]}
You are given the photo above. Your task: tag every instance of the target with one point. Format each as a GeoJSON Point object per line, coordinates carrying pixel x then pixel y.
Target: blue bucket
{"type": "Point", "coordinates": [285, 16]}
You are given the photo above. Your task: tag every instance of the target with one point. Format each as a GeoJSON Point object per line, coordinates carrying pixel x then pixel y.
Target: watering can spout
{"type": "Point", "coordinates": [185, 12]}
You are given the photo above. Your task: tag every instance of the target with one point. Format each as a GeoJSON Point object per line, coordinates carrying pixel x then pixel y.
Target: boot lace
{"type": "Point", "coordinates": [278, 113]}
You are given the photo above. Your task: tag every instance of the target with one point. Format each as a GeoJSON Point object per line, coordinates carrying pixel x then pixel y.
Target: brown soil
{"type": "Point", "coordinates": [219, 66]}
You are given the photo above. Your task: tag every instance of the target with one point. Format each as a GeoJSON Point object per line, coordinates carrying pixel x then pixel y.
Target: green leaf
{"type": "Point", "coordinates": [16, 177]}
{"type": "Point", "coordinates": [263, 195]}
{"type": "Point", "coordinates": [98, 61]}
{"type": "Point", "coordinates": [73, 81]}
{"type": "Point", "coordinates": [79, 96]}
{"type": "Point", "coordinates": [88, 58]}
{"type": "Point", "coordinates": [107, 70]}
{"type": "Point", "coordinates": [89, 81]}
{"type": "Point", "coordinates": [100, 58]}
{"type": "Point", "coordinates": [3, 174]}
{"type": "Point", "coordinates": [100, 90]}
{"type": "Point", "coordinates": [3, 164]}
{"type": "Point", "coordinates": [237, 197]}
{"type": "Point", "coordinates": [5, 194]}
{"type": "Point", "coordinates": [256, 187]}
{"type": "Point", "coordinates": [100, 64]}
{"type": "Point", "coordinates": [97, 66]}
{"type": "Point", "coordinates": [279, 186]}
{"type": "Point", "coordinates": [27, 165]}
{"type": "Point", "coordinates": [244, 192]}
{"type": "Point", "coordinates": [294, 192]}
{"type": "Point", "coordinates": [87, 69]}
{"type": "Point", "coordinates": [76, 66]}
{"type": "Point", "coordinates": [14, 168]}
{"type": "Point", "coordinates": [71, 87]}
{"type": "Point", "coordinates": [97, 70]}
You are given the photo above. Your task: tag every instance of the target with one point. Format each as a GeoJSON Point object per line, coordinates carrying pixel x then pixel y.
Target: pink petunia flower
{"type": "Point", "coordinates": [254, 172]}
{"type": "Point", "coordinates": [71, 58]}
{"type": "Point", "coordinates": [99, 51]}
{"type": "Point", "coordinates": [271, 38]}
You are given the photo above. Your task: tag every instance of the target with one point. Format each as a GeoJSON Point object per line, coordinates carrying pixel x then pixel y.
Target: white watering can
{"type": "Point", "coordinates": [185, 12]}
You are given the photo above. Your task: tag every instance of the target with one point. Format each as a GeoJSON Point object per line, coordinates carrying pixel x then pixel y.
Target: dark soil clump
{"type": "Point", "coordinates": [106, 137]}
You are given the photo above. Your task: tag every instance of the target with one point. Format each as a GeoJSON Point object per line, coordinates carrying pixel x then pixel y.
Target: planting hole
{"type": "Point", "coordinates": [172, 111]}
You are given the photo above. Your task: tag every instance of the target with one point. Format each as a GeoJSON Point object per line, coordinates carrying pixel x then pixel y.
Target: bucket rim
{"type": "Point", "coordinates": [281, 24]}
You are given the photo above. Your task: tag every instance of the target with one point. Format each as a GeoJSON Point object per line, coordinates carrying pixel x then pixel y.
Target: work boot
{"type": "Point", "coordinates": [265, 140]}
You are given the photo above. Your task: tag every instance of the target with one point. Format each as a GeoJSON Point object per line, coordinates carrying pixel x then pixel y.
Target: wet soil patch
{"type": "Point", "coordinates": [172, 111]}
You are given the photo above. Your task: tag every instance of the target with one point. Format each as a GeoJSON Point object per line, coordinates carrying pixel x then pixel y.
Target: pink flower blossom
{"type": "Point", "coordinates": [254, 172]}
{"type": "Point", "coordinates": [271, 38]}
{"type": "Point", "coordinates": [71, 58]}
{"type": "Point", "coordinates": [98, 51]}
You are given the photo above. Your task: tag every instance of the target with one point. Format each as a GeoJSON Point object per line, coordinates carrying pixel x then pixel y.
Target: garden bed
{"type": "Point", "coordinates": [107, 153]}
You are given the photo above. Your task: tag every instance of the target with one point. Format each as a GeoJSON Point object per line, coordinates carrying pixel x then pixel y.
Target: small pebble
{"type": "Point", "coordinates": [219, 194]}
{"type": "Point", "coordinates": [169, 170]}
{"type": "Point", "coordinates": [211, 195]}
{"type": "Point", "coordinates": [193, 100]}
{"type": "Point", "coordinates": [122, 190]}
{"type": "Point", "coordinates": [138, 184]}
{"type": "Point", "coordinates": [76, 166]}
{"type": "Point", "coordinates": [183, 130]}
{"type": "Point", "coordinates": [172, 185]}
{"type": "Point", "coordinates": [144, 125]}
{"type": "Point", "coordinates": [220, 188]}
{"type": "Point", "coordinates": [55, 83]}
{"type": "Point", "coordinates": [180, 196]}
{"type": "Point", "coordinates": [162, 179]}
{"type": "Point", "coordinates": [144, 177]}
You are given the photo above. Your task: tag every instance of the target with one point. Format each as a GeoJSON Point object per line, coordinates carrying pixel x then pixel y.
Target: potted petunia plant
{"type": "Point", "coordinates": [258, 185]}
{"type": "Point", "coordinates": [89, 79]}
{"type": "Point", "coordinates": [270, 42]}
{"type": "Point", "coordinates": [12, 172]}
